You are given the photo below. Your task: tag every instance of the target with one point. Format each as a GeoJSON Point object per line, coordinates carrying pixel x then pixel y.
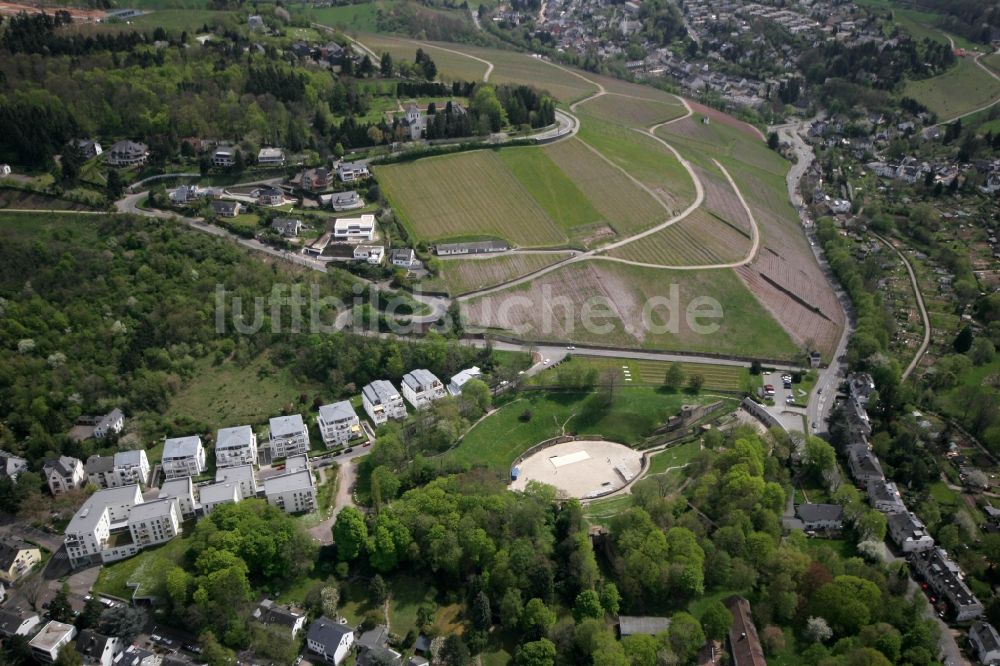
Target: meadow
{"type": "Point", "coordinates": [962, 89]}
{"type": "Point", "coordinates": [564, 202]}
{"type": "Point", "coordinates": [633, 414]}
{"type": "Point", "coordinates": [464, 275]}
{"type": "Point", "coordinates": [471, 194]}
{"type": "Point", "coordinates": [451, 66]}
{"type": "Point", "coordinates": [626, 110]}
{"type": "Point", "coordinates": [650, 373]}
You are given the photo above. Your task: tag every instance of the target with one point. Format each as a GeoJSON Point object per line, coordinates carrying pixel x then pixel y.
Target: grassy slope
{"type": "Point", "coordinates": [962, 89]}
{"type": "Point", "coordinates": [464, 275]}
{"type": "Point", "coordinates": [650, 373]}
{"type": "Point", "coordinates": [501, 437]}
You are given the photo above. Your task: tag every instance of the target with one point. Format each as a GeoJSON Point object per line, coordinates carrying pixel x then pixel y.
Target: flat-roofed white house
{"type": "Point", "coordinates": [348, 172]}
{"type": "Point", "coordinates": [215, 494]}
{"type": "Point", "coordinates": [373, 254]}
{"type": "Point", "coordinates": [289, 436]}
{"type": "Point", "coordinates": [181, 489]}
{"type": "Point", "coordinates": [154, 522]}
{"type": "Point", "coordinates": [421, 388]}
{"type": "Point", "coordinates": [132, 467]}
{"type": "Point", "coordinates": [244, 475]}
{"type": "Point", "coordinates": [271, 157]}
{"type": "Point", "coordinates": [338, 423]}
{"type": "Point", "coordinates": [297, 463]}
{"type": "Point", "coordinates": [63, 474]}
{"type": "Point", "coordinates": [459, 381]}
{"type": "Point", "coordinates": [358, 229]}
{"type": "Point", "coordinates": [224, 156]}
{"type": "Point", "coordinates": [45, 645]}
{"type": "Point", "coordinates": [88, 534]}
{"type": "Point", "coordinates": [183, 456]}
{"type": "Point", "coordinates": [235, 446]}
{"type": "Point", "coordinates": [382, 402]}
{"type": "Point", "coordinates": [341, 201]}
{"type": "Point", "coordinates": [293, 492]}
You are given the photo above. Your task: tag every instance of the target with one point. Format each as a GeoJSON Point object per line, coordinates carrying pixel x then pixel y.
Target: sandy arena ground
{"type": "Point", "coordinates": [581, 469]}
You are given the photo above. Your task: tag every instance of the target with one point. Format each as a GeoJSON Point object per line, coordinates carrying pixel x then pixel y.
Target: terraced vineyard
{"type": "Point", "coordinates": [630, 111]}
{"type": "Point", "coordinates": [437, 197]}
{"type": "Point", "coordinates": [699, 239]}
{"type": "Point", "coordinates": [451, 66]}
{"type": "Point", "coordinates": [625, 206]}
{"type": "Point", "coordinates": [464, 275]}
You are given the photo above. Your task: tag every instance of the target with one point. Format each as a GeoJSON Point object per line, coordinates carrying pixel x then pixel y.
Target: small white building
{"type": "Point", "coordinates": [271, 614]}
{"type": "Point", "coordinates": [183, 456]}
{"type": "Point", "coordinates": [181, 489]}
{"type": "Point", "coordinates": [63, 474]}
{"type": "Point", "coordinates": [330, 640]}
{"type": "Point", "coordinates": [403, 257]}
{"type": "Point", "coordinates": [908, 533]}
{"type": "Point", "coordinates": [154, 522]}
{"type": "Point", "coordinates": [46, 644]}
{"type": "Point", "coordinates": [235, 446]}
{"type": "Point", "coordinates": [373, 254]}
{"type": "Point", "coordinates": [459, 381]}
{"type": "Point", "coordinates": [243, 475]}
{"type": "Point", "coordinates": [223, 492]}
{"type": "Point", "coordinates": [338, 423]}
{"type": "Point", "coordinates": [109, 424]}
{"type": "Point", "coordinates": [271, 157]}
{"type": "Point", "coordinates": [224, 157]}
{"type": "Point", "coordinates": [382, 402]}
{"type": "Point", "coordinates": [289, 436]}
{"type": "Point", "coordinates": [421, 388]}
{"type": "Point", "coordinates": [340, 201]}
{"type": "Point", "coordinates": [17, 622]}
{"type": "Point", "coordinates": [98, 649]}
{"type": "Point", "coordinates": [357, 229]}
{"type": "Point", "coordinates": [293, 492]}
{"type": "Point", "coordinates": [348, 172]}
{"type": "Point", "coordinates": [5, 170]}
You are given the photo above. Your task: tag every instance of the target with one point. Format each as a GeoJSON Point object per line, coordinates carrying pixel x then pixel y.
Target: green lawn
{"type": "Point", "coordinates": [673, 457]}
{"type": "Point", "coordinates": [650, 372]}
{"type": "Point", "coordinates": [599, 512]}
{"type": "Point", "coordinates": [359, 17]}
{"type": "Point", "coordinates": [501, 437]}
{"type": "Point", "coordinates": [148, 569]}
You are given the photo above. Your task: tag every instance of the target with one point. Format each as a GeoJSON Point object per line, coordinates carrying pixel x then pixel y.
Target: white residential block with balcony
{"type": "Point", "coordinates": [289, 436]}
{"type": "Point", "coordinates": [338, 423]}
{"type": "Point", "coordinates": [382, 402]}
{"type": "Point", "coordinates": [421, 388]}
{"type": "Point", "coordinates": [155, 522]}
{"type": "Point", "coordinates": [235, 446]}
{"type": "Point", "coordinates": [183, 456]}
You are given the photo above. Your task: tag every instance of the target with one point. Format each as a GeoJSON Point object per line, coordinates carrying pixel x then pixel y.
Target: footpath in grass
{"type": "Point", "coordinates": [535, 416]}
{"type": "Point", "coordinates": [674, 456]}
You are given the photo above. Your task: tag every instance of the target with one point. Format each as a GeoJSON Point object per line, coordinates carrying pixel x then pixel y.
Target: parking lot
{"type": "Point", "coordinates": [789, 400]}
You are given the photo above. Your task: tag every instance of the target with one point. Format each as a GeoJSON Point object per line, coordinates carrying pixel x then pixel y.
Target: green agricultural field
{"type": "Point", "coordinates": [644, 158]}
{"type": "Point", "coordinates": [351, 18]}
{"type": "Point", "coordinates": [466, 195]}
{"type": "Point", "coordinates": [617, 295]}
{"type": "Point", "coordinates": [964, 88]}
{"type": "Point", "coordinates": [190, 20]}
{"type": "Point", "coordinates": [633, 372]}
{"type": "Point", "coordinates": [698, 240]}
{"type": "Point", "coordinates": [550, 187]}
{"type": "Point", "coordinates": [464, 275]}
{"type": "Point", "coordinates": [500, 438]}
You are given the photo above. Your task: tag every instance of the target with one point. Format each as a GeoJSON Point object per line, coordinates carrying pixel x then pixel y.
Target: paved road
{"type": "Point", "coordinates": [920, 306]}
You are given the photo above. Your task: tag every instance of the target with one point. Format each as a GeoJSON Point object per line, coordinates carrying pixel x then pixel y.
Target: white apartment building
{"type": "Point", "coordinates": [46, 643]}
{"type": "Point", "coordinates": [155, 522]}
{"type": "Point", "coordinates": [123, 469]}
{"type": "Point", "coordinates": [293, 492]}
{"type": "Point", "coordinates": [181, 489]}
{"type": "Point", "coordinates": [215, 494]}
{"type": "Point", "coordinates": [271, 157]}
{"type": "Point", "coordinates": [338, 423]}
{"type": "Point", "coordinates": [88, 534]}
{"type": "Point", "coordinates": [235, 446]}
{"type": "Point", "coordinates": [421, 388]}
{"type": "Point", "coordinates": [183, 456]}
{"type": "Point", "coordinates": [243, 475]}
{"type": "Point", "coordinates": [382, 402]}
{"type": "Point", "coordinates": [289, 436]}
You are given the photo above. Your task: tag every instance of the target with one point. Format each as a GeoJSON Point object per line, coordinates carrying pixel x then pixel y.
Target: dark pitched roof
{"type": "Point", "coordinates": [812, 513]}
{"type": "Point", "coordinates": [376, 637]}
{"type": "Point", "coordinates": [743, 641]}
{"type": "Point", "coordinates": [9, 548]}
{"type": "Point", "coordinates": [92, 644]}
{"type": "Point", "coordinates": [378, 655]}
{"type": "Point", "coordinates": [328, 633]}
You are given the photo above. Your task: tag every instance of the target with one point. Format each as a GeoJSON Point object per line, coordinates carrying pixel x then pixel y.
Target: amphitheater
{"type": "Point", "coordinates": [581, 468]}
